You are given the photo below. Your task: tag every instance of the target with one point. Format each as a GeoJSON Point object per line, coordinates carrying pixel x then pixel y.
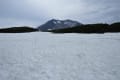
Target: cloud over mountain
{"type": "Point", "coordinates": [35, 12]}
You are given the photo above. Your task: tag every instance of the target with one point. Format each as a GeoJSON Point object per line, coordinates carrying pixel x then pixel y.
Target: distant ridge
{"type": "Point", "coordinates": [23, 29]}
{"type": "Point", "coordinates": [91, 28]}
{"type": "Point", "coordinates": [66, 26]}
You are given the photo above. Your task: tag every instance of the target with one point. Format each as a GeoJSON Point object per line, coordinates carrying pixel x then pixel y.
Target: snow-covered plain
{"type": "Point", "coordinates": [47, 56]}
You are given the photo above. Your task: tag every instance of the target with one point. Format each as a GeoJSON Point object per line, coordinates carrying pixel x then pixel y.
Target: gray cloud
{"type": "Point", "coordinates": [36, 12]}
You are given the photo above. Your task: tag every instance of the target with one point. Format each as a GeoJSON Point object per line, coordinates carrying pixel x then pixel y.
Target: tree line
{"type": "Point", "coordinates": [91, 28]}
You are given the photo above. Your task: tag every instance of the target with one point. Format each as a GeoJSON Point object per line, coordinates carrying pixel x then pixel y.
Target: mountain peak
{"type": "Point", "coordinates": [58, 24]}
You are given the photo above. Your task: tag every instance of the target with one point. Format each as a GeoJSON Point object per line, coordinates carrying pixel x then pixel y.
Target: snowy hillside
{"type": "Point", "coordinates": [47, 56]}
{"type": "Point", "coordinates": [58, 24]}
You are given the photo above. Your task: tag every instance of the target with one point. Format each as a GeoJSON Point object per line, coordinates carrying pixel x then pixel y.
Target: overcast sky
{"type": "Point", "coordinates": [36, 12]}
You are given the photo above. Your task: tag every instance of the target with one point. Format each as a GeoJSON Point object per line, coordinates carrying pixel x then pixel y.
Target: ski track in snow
{"type": "Point", "coordinates": [46, 56]}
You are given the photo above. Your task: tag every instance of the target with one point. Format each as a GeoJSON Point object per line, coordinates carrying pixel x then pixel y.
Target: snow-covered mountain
{"type": "Point", "coordinates": [58, 24]}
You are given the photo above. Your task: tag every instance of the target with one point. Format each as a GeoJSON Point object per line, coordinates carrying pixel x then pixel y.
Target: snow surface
{"type": "Point", "coordinates": [54, 22]}
{"type": "Point", "coordinates": [57, 22]}
{"type": "Point", "coordinates": [47, 56]}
